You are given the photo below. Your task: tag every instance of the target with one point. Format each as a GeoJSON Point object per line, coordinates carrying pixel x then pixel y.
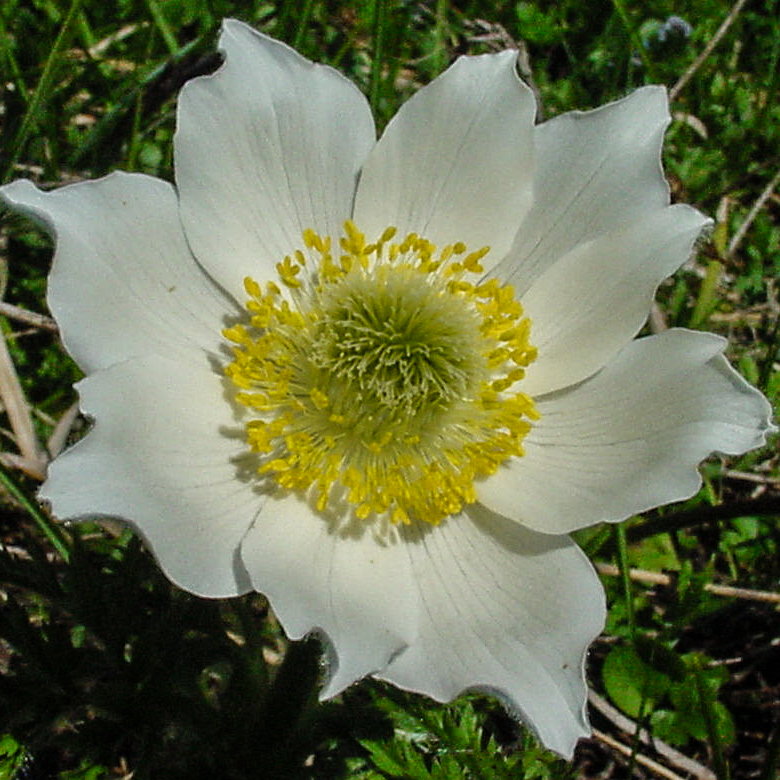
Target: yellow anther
{"type": "Point", "coordinates": [347, 413]}
{"type": "Point", "coordinates": [490, 287]}
{"type": "Point", "coordinates": [388, 234]}
{"type": "Point", "coordinates": [453, 269]}
{"type": "Point", "coordinates": [236, 334]}
{"type": "Point", "coordinates": [471, 262]}
{"type": "Point", "coordinates": [252, 287]}
{"type": "Point", "coordinates": [312, 240]}
{"type": "Point", "coordinates": [499, 385]}
{"type": "Point", "coordinates": [459, 286]}
{"type": "Point", "coordinates": [278, 464]}
{"type": "Point", "coordinates": [287, 271]}
{"type": "Point", "coordinates": [351, 229]}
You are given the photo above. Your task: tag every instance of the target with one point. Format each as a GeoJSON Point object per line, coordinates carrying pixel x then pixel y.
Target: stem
{"type": "Point", "coordinates": [721, 766]}
{"type": "Point", "coordinates": [705, 303]}
{"type": "Point", "coordinates": [772, 343]}
{"type": "Point", "coordinates": [163, 26]}
{"type": "Point", "coordinates": [380, 27]}
{"type": "Point", "coordinates": [47, 527]}
{"type": "Point", "coordinates": [625, 576]}
{"type": "Point", "coordinates": [647, 63]}
{"type": "Point", "coordinates": [136, 132]}
{"type": "Point", "coordinates": [441, 35]}
{"type": "Point", "coordinates": [294, 687]}
{"type": "Point", "coordinates": [303, 25]}
{"type": "Point", "coordinates": [290, 707]}
{"type": "Point", "coordinates": [256, 668]}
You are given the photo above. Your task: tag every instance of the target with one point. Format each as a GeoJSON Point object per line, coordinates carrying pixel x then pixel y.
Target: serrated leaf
{"type": "Point", "coordinates": [383, 758]}
{"type": "Point", "coordinates": [397, 759]}
{"type": "Point", "coordinates": [446, 768]}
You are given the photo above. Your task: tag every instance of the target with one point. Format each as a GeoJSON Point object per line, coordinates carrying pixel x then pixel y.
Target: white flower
{"type": "Point", "coordinates": [302, 452]}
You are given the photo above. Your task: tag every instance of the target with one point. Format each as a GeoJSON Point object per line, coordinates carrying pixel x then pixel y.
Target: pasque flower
{"type": "Point", "coordinates": [381, 381]}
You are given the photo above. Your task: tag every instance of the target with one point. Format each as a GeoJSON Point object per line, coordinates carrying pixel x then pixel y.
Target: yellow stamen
{"type": "Point", "coordinates": [391, 381]}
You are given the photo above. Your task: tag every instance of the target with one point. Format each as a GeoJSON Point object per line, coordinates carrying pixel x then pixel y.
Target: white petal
{"type": "Point", "coordinates": [505, 610]}
{"type": "Point", "coordinates": [123, 282]}
{"type": "Point", "coordinates": [455, 163]}
{"type": "Point", "coordinates": [597, 171]}
{"type": "Point", "coordinates": [267, 146]}
{"type": "Point", "coordinates": [630, 438]}
{"type": "Point", "coordinates": [596, 298]}
{"type": "Point", "coordinates": [348, 583]}
{"type": "Point", "coordinates": [164, 456]}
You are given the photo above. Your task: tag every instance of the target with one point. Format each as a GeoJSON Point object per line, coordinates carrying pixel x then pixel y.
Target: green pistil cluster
{"type": "Point", "coordinates": [396, 342]}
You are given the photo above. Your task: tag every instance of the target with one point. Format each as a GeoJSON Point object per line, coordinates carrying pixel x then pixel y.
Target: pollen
{"type": "Point", "coordinates": [383, 377]}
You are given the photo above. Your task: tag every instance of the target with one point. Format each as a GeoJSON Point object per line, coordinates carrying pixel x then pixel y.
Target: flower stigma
{"type": "Point", "coordinates": [383, 380]}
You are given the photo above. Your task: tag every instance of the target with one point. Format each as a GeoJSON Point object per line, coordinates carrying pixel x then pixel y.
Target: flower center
{"type": "Point", "coordinates": [394, 342]}
{"type": "Point", "coordinates": [384, 381]}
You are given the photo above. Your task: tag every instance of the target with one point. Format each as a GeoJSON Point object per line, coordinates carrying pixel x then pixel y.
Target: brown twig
{"type": "Point", "coordinates": [674, 92]}
{"type": "Point", "coordinates": [674, 757]}
{"type": "Point", "coordinates": [657, 319]}
{"type": "Point", "coordinates": [33, 459]}
{"type": "Point", "coordinates": [28, 317]}
{"type": "Point", "coordinates": [648, 763]}
{"type": "Point", "coordinates": [747, 476]}
{"type": "Point", "coordinates": [62, 430]}
{"type": "Point", "coordinates": [755, 210]}
{"type": "Point", "coordinates": [13, 460]}
{"type": "Point", "coordinates": [659, 578]}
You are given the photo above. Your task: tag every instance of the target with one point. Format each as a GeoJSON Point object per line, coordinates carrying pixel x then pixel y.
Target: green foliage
{"type": "Point", "coordinates": [632, 684]}
{"type": "Point", "coordinates": [12, 754]}
{"type": "Point", "coordinates": [112, 642]}
{"type": "Point", "coordinates": [536, 26]}
{"type": "Point", "coordinates": [451, 743]}
{"type": "Point", "coordinates": [653, 678]}
{"type": "Point", "coordinates": [685, 717]}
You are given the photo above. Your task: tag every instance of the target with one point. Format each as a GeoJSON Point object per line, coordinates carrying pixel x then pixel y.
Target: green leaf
{"type": "Point", "coordinates": [655, 553]}
{"type": "Point", "coordinates": [670, 726]}
{"type": "Point", "coordinates": [397, 759]}
{"type": "Point", "coordinates": [661, 658]}
{"type": "Point", "coordinates": [688, 705]}
{"type": "Point", "coordinates": [632, 684]}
